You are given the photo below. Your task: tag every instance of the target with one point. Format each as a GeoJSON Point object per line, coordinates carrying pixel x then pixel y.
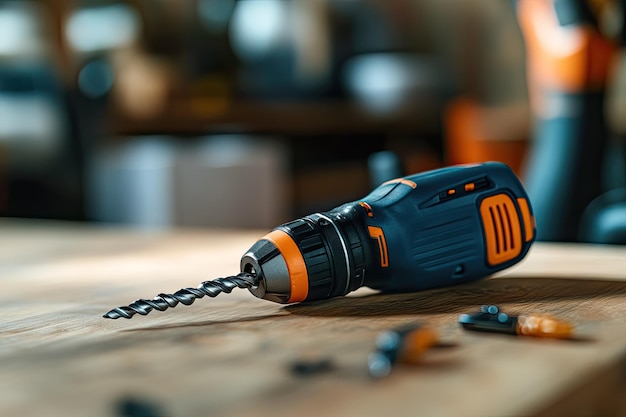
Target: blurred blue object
{"type": "Point", "coordinates": [215, 14]}
{"type": "Point", "coordinates": [95, 79]}
{"type": "Point", "coordinates": [604, 220]}
{"type": "Point", "coordinates": [384, 166]}
{"type": "Point", "coordinates": [132, 183]}
{"type": "Point", "coordinates": [386, 82]}
{"type": "Point", "coordinates": [94, 29]}
{"type": "Point", "coordinates": [258, 28]}
{"type": "Point", "coordinates": [33, 123]}
{"type": "Point", "coordinates": [41, 159]}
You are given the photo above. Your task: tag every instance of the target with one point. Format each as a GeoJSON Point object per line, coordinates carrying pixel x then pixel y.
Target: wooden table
{"type": "Point", "coordinates": [232, 356]}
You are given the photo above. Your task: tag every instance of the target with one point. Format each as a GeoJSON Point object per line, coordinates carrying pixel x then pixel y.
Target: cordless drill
{"type": "Point", "coordinates": [432, 229]}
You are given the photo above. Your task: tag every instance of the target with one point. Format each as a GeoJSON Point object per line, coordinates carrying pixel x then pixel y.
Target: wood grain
{"type": "Point", "coordinates": [231, 356]}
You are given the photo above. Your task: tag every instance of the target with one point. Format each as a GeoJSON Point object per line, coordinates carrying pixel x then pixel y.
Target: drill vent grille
{"type": "Point", "coordinates": [501, 224]}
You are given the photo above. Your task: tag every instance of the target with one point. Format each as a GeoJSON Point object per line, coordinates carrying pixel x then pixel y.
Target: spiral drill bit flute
{"type": "Point", "coordinates": [427, 230]}
{"type": "Point", "coordinates": [185, 296]}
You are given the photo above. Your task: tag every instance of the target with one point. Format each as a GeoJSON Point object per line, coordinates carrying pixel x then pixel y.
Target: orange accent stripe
{"type": "Point", "coordinates": [377, 233]}
{"type": "Point", "coordinates": [451, 191]}
{"type": "Point", "coordinates": [401, 181]}
{"type": "Point", "coordinates": [470, 186]}
{"type": "Point", "coordinates": [529, 221]}
{"type": "Point", "coordinates": [298, 274]}
{"type": "Point", "coordinates": [367, 207]}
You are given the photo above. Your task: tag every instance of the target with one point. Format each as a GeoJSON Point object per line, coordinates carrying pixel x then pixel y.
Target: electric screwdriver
{"type": "Point", "coordinates": [432, 229]}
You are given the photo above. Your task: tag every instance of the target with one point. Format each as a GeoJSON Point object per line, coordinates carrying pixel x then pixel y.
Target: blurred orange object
{"type": "Point", "coordinates": [544, 326]}
{"type": "Point", "coordinates": [568, 58]}
{"type": "Point", "coordinates": [416, 343]}
{"type": "Point", "coordinates": [477, 133]}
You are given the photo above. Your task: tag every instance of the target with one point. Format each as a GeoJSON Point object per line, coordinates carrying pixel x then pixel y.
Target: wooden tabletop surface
{"type": "Point", "coordinates": [233, 355]}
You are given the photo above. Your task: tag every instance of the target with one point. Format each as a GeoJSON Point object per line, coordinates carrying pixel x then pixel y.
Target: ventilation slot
{"type": "Point", "coordinates": [501, 220]}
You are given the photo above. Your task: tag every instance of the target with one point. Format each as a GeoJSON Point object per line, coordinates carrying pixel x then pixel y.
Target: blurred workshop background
{"type": "Point", "coordinates": [247, 113]}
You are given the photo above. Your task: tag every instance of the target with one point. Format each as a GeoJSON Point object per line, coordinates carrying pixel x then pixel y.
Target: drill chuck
{"type": "Point", "coordinates": [316, 257]}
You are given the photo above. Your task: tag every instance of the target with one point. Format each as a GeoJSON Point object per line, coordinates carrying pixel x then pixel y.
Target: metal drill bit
{"type": "Point", "coordinates": [185, 295]}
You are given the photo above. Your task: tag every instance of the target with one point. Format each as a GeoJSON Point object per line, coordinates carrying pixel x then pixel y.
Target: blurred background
{"type": "Point", "coordinates": [248, 113]}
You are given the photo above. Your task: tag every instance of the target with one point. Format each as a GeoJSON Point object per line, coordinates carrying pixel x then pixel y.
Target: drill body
{"type": "Point", "coordinates": [427, 230]}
